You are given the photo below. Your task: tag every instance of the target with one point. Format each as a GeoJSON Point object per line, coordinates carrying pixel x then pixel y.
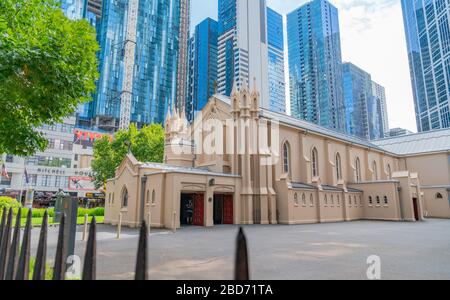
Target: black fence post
{"type": "Point", "coordinates": [14, 252]}
{"type": "Point", "coordinates": [5, 245]}
{"type": "Point", "coordinates": [90, 264]}
{"type": "Point", "coordinates": [41, 255]}
{"type": "Point", "coordinates": [2, 225]}
{"type": "Point", "coordinates": [23, 269]}
{"type": "Point", "coordinates": [141, 261]}
{"type": "Point", "coordinates": [241, 264]}
{"type": "Point", "coordinates": [59, 270]}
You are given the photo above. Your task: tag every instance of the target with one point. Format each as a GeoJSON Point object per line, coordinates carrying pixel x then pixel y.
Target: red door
{"type": "Point", "coordinates": [228, 210]}
{"type": "Point", "coordinates": [199, 210]}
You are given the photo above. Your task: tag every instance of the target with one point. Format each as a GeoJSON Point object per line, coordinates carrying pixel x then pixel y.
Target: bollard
{"type": "Point", "coordinates": [174, 228]}
{"type": "Point", "coordinates": [85, 229]}
{"type": "Point", "coordinates": [119, 226]}
{"type": "Point", "coordinates": [149, 216]}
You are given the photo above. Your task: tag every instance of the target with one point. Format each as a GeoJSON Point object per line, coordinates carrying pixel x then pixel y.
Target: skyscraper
{"type": "Point", "coordinates": [315, 64]}
{"type": "Point", "coordinates": [202, 66]}
{"type": "Point", "coordinates": [243, 50]}
{"type": "Point", "coordinates": [138, 66]}
{"type": "Point", "coordinates": [183, 36]}
{"type": "Point", "coordinates": [365, 104]}
{"type": "Point", "coordinates": [357, 92]}
{"type": "Point", "coordinates": [379, 92]}
{"type": "Point", "coordinates": [74, 9]}
{"type": "Point", "coordinates": [427, 30]}
{"type": "Point", "coordinates": [91, 10]}
{"type": "Point", "coordinates": [277, 85]}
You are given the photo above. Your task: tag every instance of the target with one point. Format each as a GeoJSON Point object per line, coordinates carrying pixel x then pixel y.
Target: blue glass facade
{"type": "Point", "coordinates": [357, 90]}
{"type": "Point", "coordinates": [363, 109]}
{"type": "Point", "coordinates": [428, 38]}
{"type": "Point", "coordinates": [202, 77]}
{"type": "Point", "coordinates": [226, 31]}
{"type": "Point", "coordinates": [155, 61]}
{"type": "Point", "coordinates": [227, 16]}
{"type": "Point", "coordinates": [315, 65]}
{"type": "Point", "coordinates": [74, 9]}
{"type": "Point", "coordinates": [277, 85]}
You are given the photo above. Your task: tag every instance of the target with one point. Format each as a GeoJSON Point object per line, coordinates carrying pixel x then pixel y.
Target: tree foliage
{"type": "Point", "coordinates": [48, 67]}
{"type": "Point", "coordinates": [147, 145]}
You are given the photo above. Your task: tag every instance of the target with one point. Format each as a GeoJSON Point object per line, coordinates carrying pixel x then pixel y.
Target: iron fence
{"type": "Point", "coordinates": [15, 256]}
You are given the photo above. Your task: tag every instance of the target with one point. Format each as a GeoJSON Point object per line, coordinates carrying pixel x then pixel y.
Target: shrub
{"type": "Point", "coordinates": [51, 212]}
{"type": "Point", "coordinates": [93, 212]}
{"type": "Point", "coordinates": [98, 212]}
{"type": "Point", "coordinates": [8, 202]}
{"type": "Point", "coordinates": [38, 213]}
{"type": "Point", "coordinates": [82, 212]}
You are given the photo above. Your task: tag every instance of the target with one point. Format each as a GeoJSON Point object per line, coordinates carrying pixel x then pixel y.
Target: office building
{"type": "Point", "coordinates": [243, 47]}
{"type": "Point", "coordinates": [183, 38]}
{"type": "Point", "coordinates": [315, 65]}
{"type": "Point", "coordinates": [379, 92]}
{"type": "Point", "coordinates": [395, 132]}
{"type": "Point", "coordinates": [428, 39]}
{"type": "Point", "coordinates": [139, 67]}
{"type": "Point", "coordinates": [277, 85]}
{"type": "Point", "coordinates": [202, 66]}
{"type": "Point", "coordinates": [65, 165]}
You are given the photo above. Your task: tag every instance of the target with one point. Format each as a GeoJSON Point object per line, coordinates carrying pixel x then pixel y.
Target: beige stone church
{"type": "Point", "coordinates": [240, 164]}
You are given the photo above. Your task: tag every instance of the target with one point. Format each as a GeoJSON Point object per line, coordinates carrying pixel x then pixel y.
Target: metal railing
{"type": "Point", "coordinates": [15, 256]}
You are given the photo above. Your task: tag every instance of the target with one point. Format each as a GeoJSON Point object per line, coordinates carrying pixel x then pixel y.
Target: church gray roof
{"type": "Point", "coordinates": [288, 120]}
{"type": "Point", "coordinates": [413, 144]}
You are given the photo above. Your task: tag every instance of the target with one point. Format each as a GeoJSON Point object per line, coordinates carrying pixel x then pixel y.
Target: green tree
{"type": "Point", "coordinates": [147, 145]}
{"type": "Point", "coordinates": [48, 67]}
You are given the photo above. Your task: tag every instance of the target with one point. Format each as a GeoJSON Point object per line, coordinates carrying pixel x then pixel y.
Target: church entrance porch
{"type": "Point", "coordinates": [192, 210]}
{"type": "Point", "coordinates": [223, 209]}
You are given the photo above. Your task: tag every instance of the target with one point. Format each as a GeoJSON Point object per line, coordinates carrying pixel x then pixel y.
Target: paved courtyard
{"type": "Point", "coordinates": [320, 251]}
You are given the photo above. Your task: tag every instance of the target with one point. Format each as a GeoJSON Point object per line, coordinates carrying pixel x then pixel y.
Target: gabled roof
{"type": "Point", "coordinates": [421, 143]}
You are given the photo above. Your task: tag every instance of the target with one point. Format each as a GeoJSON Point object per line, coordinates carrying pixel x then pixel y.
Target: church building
{"type": "Point", "coordinates": [238, 163]}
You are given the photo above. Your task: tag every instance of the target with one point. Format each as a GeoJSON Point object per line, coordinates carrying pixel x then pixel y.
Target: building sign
{"type": "Point", "coordinates": [87, 138]}
{"type": "Point", "coordinates": [62, 172]}
{"type": "Point", "coordinates": [81, 184]}
{"type": "Point", "coordinates": [51, 171]}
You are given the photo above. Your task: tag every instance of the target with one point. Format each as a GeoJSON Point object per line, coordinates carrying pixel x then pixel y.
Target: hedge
{"type": "Point", "coordinates": [39, 213]}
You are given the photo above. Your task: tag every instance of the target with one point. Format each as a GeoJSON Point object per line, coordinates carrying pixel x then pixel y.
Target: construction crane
{"type": "Point", "coordinates": [129, 57]}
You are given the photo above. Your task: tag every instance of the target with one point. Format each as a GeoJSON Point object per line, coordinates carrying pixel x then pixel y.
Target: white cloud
{"type": "Point", "coordinates": [372, 35]}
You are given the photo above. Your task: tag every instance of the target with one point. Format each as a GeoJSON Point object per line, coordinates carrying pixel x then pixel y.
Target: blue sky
{"type": "Point", "coordinates": [373, 38]}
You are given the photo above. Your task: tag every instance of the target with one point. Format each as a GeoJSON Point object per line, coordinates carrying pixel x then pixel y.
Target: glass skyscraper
{"type": "Point", "coordinates": [226, 30]}
{"type": "Point", "coordinates": [364, 109]}
{"type": "Point", "coordinates": [357, 94]}
{"type": "Point", "coordinates": [275, 38]}
{"type": "Point", "coordinates": [315, 65]}
{"type": "Point", "coordinates": [91, 11]}
{"type": "Point", "coordinates": [202, 67]}
{"type": "Point", "coordinates": [74, 9]}
{"type": "Point", "coordinates": [379, 92]}
{"type": "Point", "coordinates": [154, 63]}
{"type": "Point", "coordinates": [428, 38]}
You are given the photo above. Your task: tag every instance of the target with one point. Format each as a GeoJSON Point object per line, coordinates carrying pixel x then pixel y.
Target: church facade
{"type": "Point", "coordinates": [240, 164]}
